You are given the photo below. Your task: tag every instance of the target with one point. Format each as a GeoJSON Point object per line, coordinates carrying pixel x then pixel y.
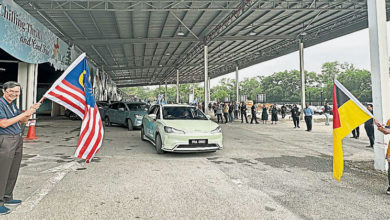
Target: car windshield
{"type": "Point", "coordinates": [138, 107]}
{"type": "Point", "coordinates": [102, 104]}
{"type": "Point", "coordinates": [183, 113]}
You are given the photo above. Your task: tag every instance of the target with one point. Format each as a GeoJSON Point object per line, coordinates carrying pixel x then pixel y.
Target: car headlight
{"type": "Point", "coordinates": [173, 130]}
{"type": "Point", "coordinates": [217, 130]}
{"type": "Point", "coordinates": [137, 116]}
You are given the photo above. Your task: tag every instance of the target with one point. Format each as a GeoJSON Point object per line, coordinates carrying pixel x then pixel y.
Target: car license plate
{"type": "Point", "coordinates": [198, 141]}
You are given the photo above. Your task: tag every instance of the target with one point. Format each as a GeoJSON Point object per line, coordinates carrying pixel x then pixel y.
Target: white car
{"type": "Point", "coordinates": [180, 128]}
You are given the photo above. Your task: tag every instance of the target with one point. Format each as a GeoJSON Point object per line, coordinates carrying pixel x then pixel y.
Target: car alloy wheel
{"type": "Point", "coordinates": [129, 125]}
{"type": "Point", "coordinates": [158, 143]}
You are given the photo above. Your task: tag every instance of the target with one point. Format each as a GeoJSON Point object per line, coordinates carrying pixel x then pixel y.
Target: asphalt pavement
{"type": "Point", "coordinates": [264, 172]}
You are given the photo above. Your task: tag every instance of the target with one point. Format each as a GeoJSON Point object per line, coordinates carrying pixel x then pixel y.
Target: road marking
{"type": "Point", "coordinates": [60, 172]}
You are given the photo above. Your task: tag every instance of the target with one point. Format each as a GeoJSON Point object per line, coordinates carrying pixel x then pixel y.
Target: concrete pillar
{"type": "Point", "coordinates": [22, 79]}
{"type": "Point", "coordinates": [302, 68]}
{"type": "Point", "coordinates": [177, 87]}
{"type": "Point", "coordinates": [31, 84]}
{"type": "Point", "coordinates": [166, 93]}
{"type": "Point", "coordinates": [379, 75]}
{"type": "Point", "coordinates": [208, 90]}
{"type": "Point", "coordinates": [55, 109]}
{"type": "Point", "coordinates": [206, 77]}
{"type": "Point", "coordinates": [237, 86]}
{"type": "Point", "coordinates": [62, 110]}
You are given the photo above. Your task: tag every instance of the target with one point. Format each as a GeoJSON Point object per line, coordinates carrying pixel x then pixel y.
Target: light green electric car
{"type": "Point", "coordinates": [180, 128]}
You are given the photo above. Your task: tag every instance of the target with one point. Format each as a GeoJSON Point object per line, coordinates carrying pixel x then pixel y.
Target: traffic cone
{"type": "Point", "coordinates": [31, 131]}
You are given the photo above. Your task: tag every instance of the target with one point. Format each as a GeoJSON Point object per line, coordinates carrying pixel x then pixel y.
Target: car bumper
{"type": "Point", "coordinates": [180, 142]}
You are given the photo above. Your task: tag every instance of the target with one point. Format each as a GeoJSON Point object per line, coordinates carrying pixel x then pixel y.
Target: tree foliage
{"type": "Point", "coordinates": [283, 87]}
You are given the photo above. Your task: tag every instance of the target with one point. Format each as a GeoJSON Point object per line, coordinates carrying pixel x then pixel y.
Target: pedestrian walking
{"type": "Point", "coordinates": [264, 115]}
{"type": "Point", "coordinates": [274, 114]}
{"type": "Point", "coordinates": [295, 113]}
{"type": "Point", "coordinates": [308, 117]}
{"type": "Point", "coordinates": [385, 129]}
{"type": "Point", "coordinates": [369, 127]}
{"type": "Point", "coordinates": [243, 113]}
{"type": "Point", "coordinates": [283, 111]}
{"type": "Point", "coordinates": [226, 113]}
{"type": "Point", "coordinates": [326, 113]}
{"type": "Point", "coordinates": [11, 143]}
{"type": "Point", "coordinates": [253, 111]}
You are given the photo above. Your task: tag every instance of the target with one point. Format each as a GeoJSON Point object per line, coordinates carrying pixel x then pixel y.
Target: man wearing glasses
{"type": "Point", "coordinates": [11, 142]}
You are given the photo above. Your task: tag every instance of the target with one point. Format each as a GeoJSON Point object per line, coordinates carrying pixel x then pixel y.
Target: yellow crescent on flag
{"type": "Point", "coordinates": [81, 79]}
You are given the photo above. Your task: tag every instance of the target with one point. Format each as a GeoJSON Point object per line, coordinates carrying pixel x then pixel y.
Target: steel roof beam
{"type": "Point", "coordinates": [106, 41]}
{"type": "Point", "coordinates": [116, 68]}
{"type": "Point", "coordinates": [180, 6]}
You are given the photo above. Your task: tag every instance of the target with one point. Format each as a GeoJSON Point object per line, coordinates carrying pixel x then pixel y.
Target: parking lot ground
{"type": "Point", "coordinates": [263, 172]}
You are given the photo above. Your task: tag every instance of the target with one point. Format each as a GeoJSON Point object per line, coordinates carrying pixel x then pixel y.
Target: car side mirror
{"type": "Point", "coordinates": [208, 116]}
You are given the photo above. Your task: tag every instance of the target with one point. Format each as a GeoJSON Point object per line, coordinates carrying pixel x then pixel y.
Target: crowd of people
{"type": "Point", "coordinates": [228, 112]}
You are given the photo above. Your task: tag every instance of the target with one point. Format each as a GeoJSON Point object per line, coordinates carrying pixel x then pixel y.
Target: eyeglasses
{"type": "Point", "coordinates": [13, 92]}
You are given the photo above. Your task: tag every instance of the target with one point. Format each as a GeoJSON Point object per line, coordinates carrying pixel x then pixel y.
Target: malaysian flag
{"type": "Point", "coordinates": [74, 91]}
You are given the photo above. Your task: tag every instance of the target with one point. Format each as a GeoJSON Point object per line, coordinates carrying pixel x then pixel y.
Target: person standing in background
{"type": "Point", "coordinates": [308, 117]}
{"type": "Point", "coordinates": [274, 114]}
{"type": "Point", "coordinates": [236, 107]}
{"type": "Point", "coordinates": [243, 113]}
{"type": "Point", "coordinates": [253, 111]}
{"type": "Point", "coordinates": [369, 127]}
{"type": "Point", "coordinates": [356, 133]}
{"type": "Point", "coordinates": [219, 112]}
{"type": "Point", "coordinates": [226, 113]}
{"type": "Point", "coordinates": [264, 115]}
{"type": "Point", "coordinates": [283, 111]}
{"type": "Point", "coordinates": [326, 113]}
{"type": "Point", "coordinates": [295, 115]}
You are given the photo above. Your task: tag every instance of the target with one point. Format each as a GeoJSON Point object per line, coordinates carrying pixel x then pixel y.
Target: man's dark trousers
{"type": "Point", "coordinates": [296, 121]}
{"type": "Point", "coordinates": [308, 122]}
{"type": "Point", "coordinates": [370, 133]}
{"type": "Point", "coordinates": [243, 114]}
{"type": "Point", "coordinates": [11, 151]}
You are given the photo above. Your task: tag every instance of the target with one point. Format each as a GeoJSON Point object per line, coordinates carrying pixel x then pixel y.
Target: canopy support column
{"type": "Point", "coordinates": [379, 75]}
{"type": "Point", "coordinates": [177, 87]}
{"type": "Point", "coordinates": [302, 69]}
{"type": "Point", "coordinates": [206, 79]}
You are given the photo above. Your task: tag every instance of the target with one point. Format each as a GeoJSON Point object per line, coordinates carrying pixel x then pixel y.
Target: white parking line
{"type": "Point", "coordinates": [38, 195]}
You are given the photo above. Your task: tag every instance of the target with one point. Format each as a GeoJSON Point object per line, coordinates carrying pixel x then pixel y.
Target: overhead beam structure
{"type": "Point", "coordinates": [138, 42]}
{"type": "Point", "coordinates": [180, 6]}
{"type": "Point", "coordinates": [109, 41]}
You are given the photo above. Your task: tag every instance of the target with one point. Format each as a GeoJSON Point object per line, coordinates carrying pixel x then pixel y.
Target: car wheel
{"type": "Point", "coordinates": [143, 133]}
{"type": "Point", "coordinates": [158, 143]}
{"type": "Point", "coordinates": [129, 125]}
{"type": "Point", "coordinates": [107, 122]}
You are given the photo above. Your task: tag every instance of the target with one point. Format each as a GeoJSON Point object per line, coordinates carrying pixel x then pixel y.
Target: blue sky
{"type": "Point", "coordinates": [352, 48]}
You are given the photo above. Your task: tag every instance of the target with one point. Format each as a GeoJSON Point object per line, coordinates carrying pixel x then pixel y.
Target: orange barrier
{"type": "Point", "coordinates": [31, 131]}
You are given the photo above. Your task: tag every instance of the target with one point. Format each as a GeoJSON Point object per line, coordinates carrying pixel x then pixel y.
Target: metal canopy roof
{"type": "Point", "coordinates": [138, 42]}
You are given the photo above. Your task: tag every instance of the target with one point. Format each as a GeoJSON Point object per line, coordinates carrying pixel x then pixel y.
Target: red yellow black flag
{"type": "Point", "coordinates": [348, 113]}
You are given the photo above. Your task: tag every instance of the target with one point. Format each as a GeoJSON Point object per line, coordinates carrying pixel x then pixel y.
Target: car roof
{"type": "Point", "coordinates": [178, 105]}
{"type": "Point", "coordinates": [135, 103]}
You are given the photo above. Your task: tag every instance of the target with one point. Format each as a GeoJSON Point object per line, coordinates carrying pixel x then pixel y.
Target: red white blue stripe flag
{"type": "Point", "coordinates": [74, 91]}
